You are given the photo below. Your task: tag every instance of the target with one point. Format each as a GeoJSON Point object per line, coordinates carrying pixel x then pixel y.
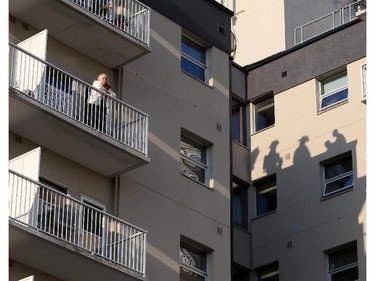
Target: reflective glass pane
{"type": "Point", "coordinates": [339, 184]}
{"type": "Point", "coordinates": [192, 170]}
{"type": "Point", "coordinates": [264, 114]}
{"type": "Point", "coordinates": [350, 274]}
{"type": "Point", "coordinates": [193, 69]}
{"type": "Point", "coordinates": [266, 197]}
{"type": "Point", "coordinates": [338, 167]}
{"type": "Point", "coordinates": [236, 124]}
{"type": "Point", "coordinates": [335, 98]}
{"type": "Point", "coordinates": [335, 83]}
{"type": "Point", "coordinates": [193, 50]}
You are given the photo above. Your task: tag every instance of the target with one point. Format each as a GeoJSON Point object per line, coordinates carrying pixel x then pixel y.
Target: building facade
{"type": "Point", "coordinates": [299, 179]}
{"type": "Point", "coordinates": [222, 145]}
{"type": "Point", "coordinates": [131, 186]}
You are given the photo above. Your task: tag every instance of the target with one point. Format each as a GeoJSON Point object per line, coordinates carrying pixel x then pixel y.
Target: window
{"type": "Point", "coordinates": [264, 113]}
{"type": "Point", "coordinates": [343, 263]}
{"type": "Point", "coordinates": [193, 160]}
{"type": "Point", "coordinates": [333, 90]}
{"type": "Point", "coordinates": [364, 81]}
{"type": "Point", "coordinates": [240, 274]}
{"type": "Point", "coordinates": [266, 195]}
{"type": "Point", "coordinates": [193, 264]}
{"type": "Point", "coordinates": [338, 174]}
{"type": "Point", "coordinates": [193, 59]}
{"type": "Point", "coordinates": [239, 205]}
{"type": "Point", "coordinates": [92, 216]}
{"type": "Point", "coordinates": [239, 122]}
{"type": "Point", "coordinates": [269, 273]}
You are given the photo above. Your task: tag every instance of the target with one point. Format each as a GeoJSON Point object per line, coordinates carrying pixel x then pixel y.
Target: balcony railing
{"type": "Point", "coordinates": [71, 96]}
{"type": "Point", "coordinates": [130, 16]}
{"type": "Point", "coordinates": [327, 22]}
{"type": "Point", "coordinates": [44, 209]}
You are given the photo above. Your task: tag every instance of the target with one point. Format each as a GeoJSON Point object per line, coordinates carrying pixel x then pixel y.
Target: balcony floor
{"type": "Point", "coordinates": [80, 30]}
{"type": "Point", "coordinates": [60, 259]}
{"type": "Point", "coordinates": [52, 130]}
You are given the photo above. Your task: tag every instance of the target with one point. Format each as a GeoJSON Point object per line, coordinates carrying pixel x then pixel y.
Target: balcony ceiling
{"type": "Point", "coordinates": [52, 130]}
{"type": "Point", "coordinates": [60, 259]}
{"type": "Point", "coordinates": [80, 30]}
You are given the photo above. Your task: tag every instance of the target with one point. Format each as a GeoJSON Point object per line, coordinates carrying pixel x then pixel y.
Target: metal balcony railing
{"type": "Point", "coordinates": [71, 96]}
{"type": "Point", "coordinates": [54, 213]}
{"type": "Point", "coordinates": [131, 16]}
{"type": "Point", "coordinates": [327, 22]}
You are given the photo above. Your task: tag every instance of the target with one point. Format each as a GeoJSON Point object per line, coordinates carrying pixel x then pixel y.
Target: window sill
{"type": "Point", "coordinates": [240, 144]}
{"type": "Point", "coordinates": [264, 215]}
{"type": "Point", "coordinates": [264, 129]}
{"type": "Point", "coordinates": [333, 106]}
{"type": "Point", "coordinates": [337, 193]}
{"type": "Point", "coordinates": [198, 182]}
{"type": "Point", "coordinates": [196, 79]}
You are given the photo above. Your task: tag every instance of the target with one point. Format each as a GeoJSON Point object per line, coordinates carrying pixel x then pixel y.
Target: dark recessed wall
{"type": "Point", "coordinates": [296, 66]}
{"type": "Point", "coordinates": [204, 18]}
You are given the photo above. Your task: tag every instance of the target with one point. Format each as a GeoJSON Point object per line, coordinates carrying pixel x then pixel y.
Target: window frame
{"type": "Point", "coordinates": [243, 208]}
{"type": "Point", "coordinates": [258, 185]}
{"type": "Point", "coordinates": [341, 249]}
{"type": "Point", "coordinates": [202, 272]}
{"type": "Point", "coordinates": [242, 121]}
{"type": "Point", "coordinates": [271, 269]}
{"type": "Point", "coordinates": [201, 145]}
{"type": "Point", "coordinates": [97, 228]}
{"type": "Point", "coordinates": [329, 78]}
{"type": "Point", "coordinates": [343, 157]}
{"type": "Point", "coordinates": [255, 113]}
{"type": "Point", "coordinates": [201, 65]}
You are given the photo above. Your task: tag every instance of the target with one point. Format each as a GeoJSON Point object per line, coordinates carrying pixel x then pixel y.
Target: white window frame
{"type": "Point", "coordinates": [273, 271]}
{"type": "Point", "coordinates": [338, 177]}
{"type": "Point", "coordinates": [185, 262]}
{"type": "Point", "coordinates": [364, 81]}
{"type": "Point", "coordinates": [201, 65]}
{"type": "Point", "coordinates": [203, 166]}
{"type": "Point", "coordinates": [323, 95]}
{"type": "Point", "coordinates": [254, 112]}
{"type": "Point", "coordinates": [273, 187]}
{"type": "Point", "coordinates": [339, 269]}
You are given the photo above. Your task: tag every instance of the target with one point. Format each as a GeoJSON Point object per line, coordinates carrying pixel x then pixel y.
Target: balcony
{"type": "Point", "coordinates": [91, 244]}
{"type": "Point", "coordinates": [52, 108]}
{"type": "Point", "coordinates": [328, 22]}
{"type": "Point", "coordinates": [113, 33]}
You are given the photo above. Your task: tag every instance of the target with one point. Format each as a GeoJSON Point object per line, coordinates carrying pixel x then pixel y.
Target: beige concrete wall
{"type": "Point", "coordinates": [157, 196]}
{"type": "Point", "coordinates": [78, 179]}
{"type": "Point", "coordinates": [259, 28]}
{"type": "Point", "coordinates": [312, 224]}
{"type": "Point", "coordinates": [18, 271]}
{"type": "Point", "coordinates": [63, 56]}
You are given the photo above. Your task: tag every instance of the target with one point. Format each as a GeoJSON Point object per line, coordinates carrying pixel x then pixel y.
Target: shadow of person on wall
{"type": "Point", "coordinates": [302, 153]}
{"type": "Point", "coordinates": [272, 161]}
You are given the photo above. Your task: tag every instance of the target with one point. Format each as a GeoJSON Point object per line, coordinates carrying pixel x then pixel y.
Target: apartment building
{"type": "Point", "coordinates": [299, 150]}
{"type": "Point", "coordinates": [131, 186]}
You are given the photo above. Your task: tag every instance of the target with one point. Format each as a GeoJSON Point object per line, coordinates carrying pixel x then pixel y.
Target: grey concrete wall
{"type": "Point", "coordinates": [201, 17]}
{"type": "Point", "coordinates": [307, 61]}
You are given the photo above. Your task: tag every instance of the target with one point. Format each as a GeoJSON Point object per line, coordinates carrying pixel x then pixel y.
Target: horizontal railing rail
{"type": "Point", "coordinates": [327, 22]}
{"type": "Point", "coordinates": [77, 99]}
{"type": "Point", "coordinates": [54, 213]}
{"type": "Point", "coordinates": [131, 16]}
